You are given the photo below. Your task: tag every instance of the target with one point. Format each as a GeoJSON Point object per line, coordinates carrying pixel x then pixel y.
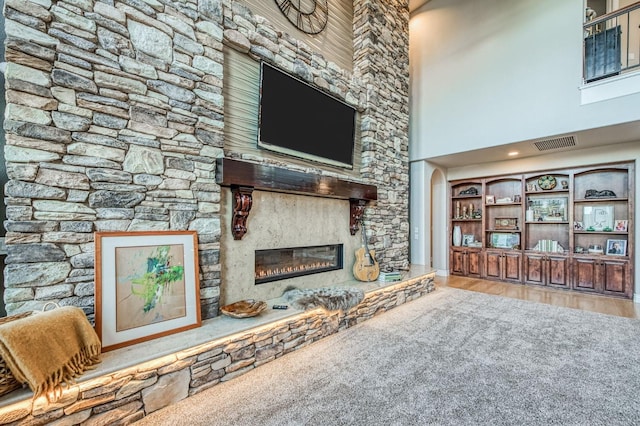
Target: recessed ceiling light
{"type": "Point", "coordinates": [513, 153]}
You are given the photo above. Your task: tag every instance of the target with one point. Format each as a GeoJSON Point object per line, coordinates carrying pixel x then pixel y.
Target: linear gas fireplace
{"type": "Point", "coordinates": [278, 264]}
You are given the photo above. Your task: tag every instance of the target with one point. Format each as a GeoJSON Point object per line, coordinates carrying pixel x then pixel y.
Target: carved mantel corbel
{"type": "Point", "coordinates": [242, 202]}
{"type": "Point", "coordinates": [356, 207]}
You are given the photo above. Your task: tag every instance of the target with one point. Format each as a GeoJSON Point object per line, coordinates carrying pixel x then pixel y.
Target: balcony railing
{"type": "Point", "coordinates": [612, 43]}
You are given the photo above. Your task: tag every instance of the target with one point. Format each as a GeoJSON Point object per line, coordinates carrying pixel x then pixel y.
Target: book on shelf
{"type": "Point", "coordinates": [390, 276]}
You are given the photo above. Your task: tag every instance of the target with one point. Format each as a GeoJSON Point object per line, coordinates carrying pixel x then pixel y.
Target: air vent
{"type": "Point", "coordinates": [555, 143]}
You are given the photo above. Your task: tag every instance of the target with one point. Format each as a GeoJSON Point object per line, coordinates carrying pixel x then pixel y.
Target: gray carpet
{"type": "Point", "coordinates": [452, 357]}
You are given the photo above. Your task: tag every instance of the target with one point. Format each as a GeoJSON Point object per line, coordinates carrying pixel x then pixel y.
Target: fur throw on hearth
{"type": "Point", "coordinates": [330, 298]}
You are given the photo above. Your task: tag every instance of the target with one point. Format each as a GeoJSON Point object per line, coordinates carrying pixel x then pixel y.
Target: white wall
{"type": "Point", "coordinates": [491, 72]}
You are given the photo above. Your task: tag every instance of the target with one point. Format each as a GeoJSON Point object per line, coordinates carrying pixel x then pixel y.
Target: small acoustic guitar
{"type": "Point", "coordinates": [366, 266]}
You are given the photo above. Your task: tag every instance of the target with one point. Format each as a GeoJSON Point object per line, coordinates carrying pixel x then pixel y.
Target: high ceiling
{"type": "Point", "coordinates": [598, 137]}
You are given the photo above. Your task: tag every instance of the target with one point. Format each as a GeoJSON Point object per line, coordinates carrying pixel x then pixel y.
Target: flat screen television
{"type": "Point", "coordinates": [299, 120]}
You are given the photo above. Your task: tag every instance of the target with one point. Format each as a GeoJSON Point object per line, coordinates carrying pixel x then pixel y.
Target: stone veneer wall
{"type": "Point", "coordinates": [115, 117]}
{"type": "Point", "coordinates": [128, 395]}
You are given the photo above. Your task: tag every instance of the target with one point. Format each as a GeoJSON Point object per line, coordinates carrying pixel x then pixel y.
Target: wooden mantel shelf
{"type": "Point", "coordinates": [243, 177]}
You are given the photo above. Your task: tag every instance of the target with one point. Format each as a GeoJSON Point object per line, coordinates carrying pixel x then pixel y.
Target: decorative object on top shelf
{"type": "Point", "coordinates": [311, 18]}
{"type": "Point", "coordinates": [605, 193]}
{"type": "Point", "coordinates": [621, 225]}
{"type": "Point", "coordinates": [547, 182]}
{"type": "Point", "coordinates": [532, 187]}
{"type": "Point", "coordinates": [506, 223]}
{"type": "Point", "coordinates": [617, 247]}
{"type": "Point", "coordinates": [469, 191]}
{"type": "Point", "coordinates": [597, 218]}
{"type": "Point", "coordinates": [517, 198]}
{"type": "Point", "coordinates": [490, 199]}
{"type": "Point", "coordinates": [565, 184]}
{"type": "Point", "coordinates": [549, 246]}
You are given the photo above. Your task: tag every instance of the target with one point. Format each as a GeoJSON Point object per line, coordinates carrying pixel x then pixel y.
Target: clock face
{"type": "Point", "coordinates": [309, 16]}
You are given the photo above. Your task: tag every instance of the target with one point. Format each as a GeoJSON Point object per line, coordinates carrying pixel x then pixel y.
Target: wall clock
{"type": "Point", "coordinates": [309, 16]}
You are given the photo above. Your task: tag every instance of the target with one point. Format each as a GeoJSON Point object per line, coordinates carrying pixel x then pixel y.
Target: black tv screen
{"type": "Point", "coordinates": [299, 120]}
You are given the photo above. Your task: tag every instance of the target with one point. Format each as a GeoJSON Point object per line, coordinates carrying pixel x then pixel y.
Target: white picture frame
{"type": "Point", "coordinates": [616, 248]}
{"type": "Point", "coordinates": [621, 225]}
{"type": "Point", "coordinates": [597, 217]}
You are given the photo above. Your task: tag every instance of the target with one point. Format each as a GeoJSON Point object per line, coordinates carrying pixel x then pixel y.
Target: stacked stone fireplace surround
{"type": "Point", "coordinates": [115, 116]}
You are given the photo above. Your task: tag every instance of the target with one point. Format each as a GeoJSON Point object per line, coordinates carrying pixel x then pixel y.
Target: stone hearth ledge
{"type": "Point", "coordinates": [109, 391]}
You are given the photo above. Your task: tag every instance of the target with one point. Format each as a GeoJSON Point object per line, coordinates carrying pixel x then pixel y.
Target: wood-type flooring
{"type": "Point", "coordinates": [569, 299]}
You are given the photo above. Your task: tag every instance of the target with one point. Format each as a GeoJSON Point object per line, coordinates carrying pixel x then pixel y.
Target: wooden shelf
{"type": "Point", "coordinates": [600, 200]}
{"type": "Point", "coordinates": [230, 172]}
{"type": "Point", "coordinates": [466, 197]}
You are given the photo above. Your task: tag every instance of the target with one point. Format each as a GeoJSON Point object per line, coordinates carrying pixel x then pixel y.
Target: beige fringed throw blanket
{"type": "Point", "coordinates": [48, 349]}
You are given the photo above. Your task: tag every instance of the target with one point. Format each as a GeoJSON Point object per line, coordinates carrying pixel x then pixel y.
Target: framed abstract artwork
{"type": "Point", "coordinates": [147, 285]}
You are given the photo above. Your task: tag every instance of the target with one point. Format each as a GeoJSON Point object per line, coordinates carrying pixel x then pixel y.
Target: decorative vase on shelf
{"type": "Point", "coordinates": [457, 236]}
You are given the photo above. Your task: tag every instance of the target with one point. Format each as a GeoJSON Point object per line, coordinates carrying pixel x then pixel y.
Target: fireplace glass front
{"type": "Point", "coordinates": [278, 264]}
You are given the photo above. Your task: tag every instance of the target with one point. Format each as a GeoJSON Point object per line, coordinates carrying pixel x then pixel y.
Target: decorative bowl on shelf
{"type": "Point", "coordinates": [244, 308]}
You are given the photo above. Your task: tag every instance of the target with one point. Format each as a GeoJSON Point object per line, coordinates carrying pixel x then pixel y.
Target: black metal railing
{"type": "Point", "coordinates": [612, 43]}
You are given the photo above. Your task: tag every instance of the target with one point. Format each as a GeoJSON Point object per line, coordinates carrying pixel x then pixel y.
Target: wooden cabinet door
{"type": "Point", "coordinates": [512, 267]}
{"type": "Point", "coordinates": [615, 275]}
{"type": "Point", "coordinates": [558, 271]}
{"type": "Point", "coordinates": [534, 269]}
{"type": "Point", "coordinates": [586, 274]}
{"type": "Point", "coordinates": [474, 263]}
{"type": "Point", "coordinates": [493, 265]}
{"type": "Point", "coordinates": [457, 262]}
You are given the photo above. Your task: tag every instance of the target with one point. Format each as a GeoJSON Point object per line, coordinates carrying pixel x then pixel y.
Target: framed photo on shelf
{"type": "Point", "coordinates": [617, 247]}
{"type": "Point", "coordinates": [598, 217]}
{"type": "Point", "coordinates": [468, 238]}
{"type": "Point", "coordinates": [147, 285]}
{"type": "Point", "coordinates": [549, 209]}
{"type": "Point", "coordinates": [490, 199]}
{"type": "Point", "coordinates": [505, 240]}
{"type": "Point", "coordinates": [621, 225]}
